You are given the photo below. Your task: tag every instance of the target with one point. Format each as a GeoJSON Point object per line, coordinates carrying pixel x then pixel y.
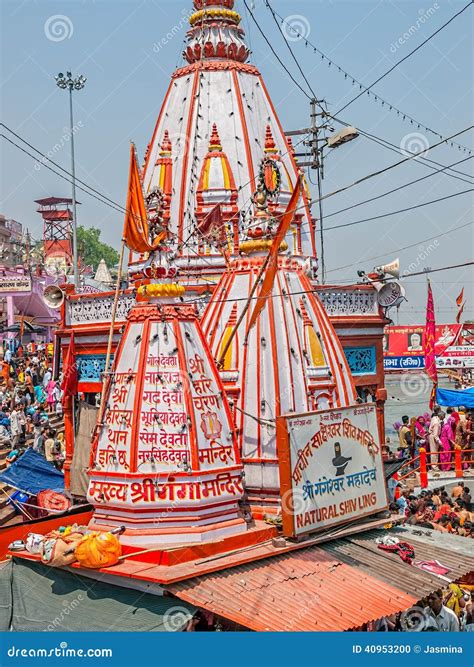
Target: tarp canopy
{"type": "Point", "coordinates": [31, 473]}
{"type": "Point", "coordinates": [44, 598]}
{"type": "Point", "coordinates": [454, 399]}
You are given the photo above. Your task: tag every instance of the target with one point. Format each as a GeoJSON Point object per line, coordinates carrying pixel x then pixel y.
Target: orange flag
{"type": "Point", "coordinates": [460, 298]}
{"type": "Point", "coordinates": [136, 230]}
{"type": "Point", "coordinates": [272, 262]}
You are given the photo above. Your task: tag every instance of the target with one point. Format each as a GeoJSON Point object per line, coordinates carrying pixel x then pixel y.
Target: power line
{"type": "Point", "coordinates": [402, 210]}
{"type": "Point", "coordinates": [110, 203]}
{"type": "Point", "coordinates": [395, 164]}
{"type": "Point", "coordinates": [291, 51]}
{"type": "Point", "coordinates": [322, 288]}
{"type": "Point", "coordinates": [442, 268]}
{"type": "Point", "coordinates": [399, 62]}
{"type": "Point", "coordinates": [309, 97]}
{"type": "Point", "coordinates": [407, 247]}
{"type": "Point", "coordinates": [419, 156]}
{"type": "Point", "coordinates": [389, 192]}
{"type": "Point", "coordinates": [274, 52]}
{"type": "Point", "coordinates": [344, 188]}
{"type": "Point", "coordinates": [354, 80]}
{"type": "Point", "coordinates": [245, 298]}
{"type": "Point", "coordinates": [102, 201]}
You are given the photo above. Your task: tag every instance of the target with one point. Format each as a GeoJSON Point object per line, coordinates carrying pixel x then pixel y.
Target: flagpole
{"type": "Point", "coordinates": [285, 220]}
{"type": "Point", "coordinates": [244, 312]}
{"type": "Point", "coordinates": [100, 418]}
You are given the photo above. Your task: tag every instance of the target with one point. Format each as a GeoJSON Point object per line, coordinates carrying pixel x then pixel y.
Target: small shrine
{"type": "Point", "coordinates": [165, 462]}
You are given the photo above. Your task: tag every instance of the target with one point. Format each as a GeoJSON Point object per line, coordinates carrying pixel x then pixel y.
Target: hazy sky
{"type": "Point", "coordinates": [128, 50]}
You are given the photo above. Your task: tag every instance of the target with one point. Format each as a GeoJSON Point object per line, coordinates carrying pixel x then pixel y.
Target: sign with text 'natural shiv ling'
{"type": "Point", "coordinates": [331, 468]}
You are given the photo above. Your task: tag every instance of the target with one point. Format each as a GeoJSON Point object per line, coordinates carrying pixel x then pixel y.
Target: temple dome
{"type": "Point", "coordinates": [232, 93]}
{"type": "Point", "coordinates": [165, 463]}
{"type": "Point", "coordinates": [291, 361]}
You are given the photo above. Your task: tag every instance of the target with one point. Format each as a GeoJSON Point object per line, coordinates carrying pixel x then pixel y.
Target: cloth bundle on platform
{"type": "Point", "coordinates": [59, 549]}
{"type": "Point", "coordinates": [98, 550]}
{"type": "Point", "coordinates": [403, 549]}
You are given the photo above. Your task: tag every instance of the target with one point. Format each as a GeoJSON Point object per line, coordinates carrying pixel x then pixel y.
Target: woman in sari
{"type": "Point", "coordinates": [447, 443]}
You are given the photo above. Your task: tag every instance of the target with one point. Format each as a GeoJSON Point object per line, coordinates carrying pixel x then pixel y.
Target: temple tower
{"type": "Point", "coordinates": [165, 461]}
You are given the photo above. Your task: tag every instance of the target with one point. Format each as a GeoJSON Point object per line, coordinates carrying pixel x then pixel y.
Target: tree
{"type": "Point", "coordinates": [91, 249]}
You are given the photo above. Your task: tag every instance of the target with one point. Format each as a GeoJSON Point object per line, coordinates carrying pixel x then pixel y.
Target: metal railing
{"type": "Point", "coordinates": [460, 460]}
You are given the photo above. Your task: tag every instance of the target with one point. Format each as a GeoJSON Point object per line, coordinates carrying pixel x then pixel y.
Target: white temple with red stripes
{"type": "Point", "coordinates": [224, 331]}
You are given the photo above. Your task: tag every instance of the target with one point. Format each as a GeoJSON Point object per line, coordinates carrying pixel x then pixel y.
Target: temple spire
{"type": "Point", "coordinates": [215, 33]}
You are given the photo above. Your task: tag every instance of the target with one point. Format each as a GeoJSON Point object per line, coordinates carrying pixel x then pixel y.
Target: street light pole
{"type": "Point", "coordinates": [316, 145]}
{"type": "Point", "coordinates": [70, 84]}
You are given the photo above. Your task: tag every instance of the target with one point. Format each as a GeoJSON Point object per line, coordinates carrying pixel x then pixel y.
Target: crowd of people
{"type": "Point", "coordinates": [449, 609]}
{"type": "Point", "coordinates": [29, 397]}
{"type": "Point", "coordinates": [439, 433]}
{"type": "Point", "coordinates": [439, 509]}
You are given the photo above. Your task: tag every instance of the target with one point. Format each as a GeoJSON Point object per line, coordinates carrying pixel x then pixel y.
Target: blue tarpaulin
{"type": "Point", "coordinates": [32, 473]}
{"type": "Point", "coordinates": [452, 398]}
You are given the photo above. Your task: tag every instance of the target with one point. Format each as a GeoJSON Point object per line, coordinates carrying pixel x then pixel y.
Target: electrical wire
{"type": "Point", "coordinates": [347, 75]}
{"type": "Point", "coordinates": [395, 164]}
{"type": "Point", "coordinates": [297, 208]}
{"type": "Point", "coordinates": [309, 96]}
{"type": "Point", "coordinates": [389, 192]}
{"type": "Point", "coordinates": [399, 62]}
{"type": "Point", "coordinates": [270, 46]}
{"type": "Point", "coordinates": [402, 210]}
{"type": "Point", "coordinates": [407, 247]}
{"type": "Point", "coordinates": [330, 194]}
{"type": "Point", "coordinates": [321, 288]}
{"type": "Point", "coordinates": [106, 201]}
{"type": "Point", "coordinates": [421, 159]}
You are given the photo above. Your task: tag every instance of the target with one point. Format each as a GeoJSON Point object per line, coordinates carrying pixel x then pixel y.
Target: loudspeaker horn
{"type": "Point", "coordinates": [392, 269]}
{"type": "Point", "coordinates": [53, 296]}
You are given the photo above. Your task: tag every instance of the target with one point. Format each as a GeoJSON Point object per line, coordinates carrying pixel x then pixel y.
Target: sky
{"type": "Point", "coordinates": [128, 50]}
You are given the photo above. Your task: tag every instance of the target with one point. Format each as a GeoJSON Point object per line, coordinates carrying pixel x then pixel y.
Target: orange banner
{"type": "Point", "coordinates": [136, 229]}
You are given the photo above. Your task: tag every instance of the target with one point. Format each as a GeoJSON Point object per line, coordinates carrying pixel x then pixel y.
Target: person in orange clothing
{"type": "Point", "coordinates": [5, 372]}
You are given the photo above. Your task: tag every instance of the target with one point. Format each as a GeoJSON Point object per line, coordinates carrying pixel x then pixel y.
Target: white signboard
{"type": "Point", "coordinates": [15, 284]}
{"type": "Point", "coordinates": [331, 468]}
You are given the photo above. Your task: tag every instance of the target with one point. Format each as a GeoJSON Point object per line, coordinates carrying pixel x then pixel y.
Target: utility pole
{"type": "Point", "coordinates": [68, 83]}
{"type": "Point", "coordinates": [316, 144]}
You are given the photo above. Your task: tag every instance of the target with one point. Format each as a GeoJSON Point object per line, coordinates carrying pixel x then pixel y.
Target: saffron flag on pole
{"type": "Point", "coordinates": [70, 375]}
{"type": "Point", "coordinates": [136, 228]}
{"type": "Point", "coordinates": [429, 347]}
{"type": "Point", "coordinates": [460, 305]}
{"type": "Point", "coordinates": [272, 261]}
